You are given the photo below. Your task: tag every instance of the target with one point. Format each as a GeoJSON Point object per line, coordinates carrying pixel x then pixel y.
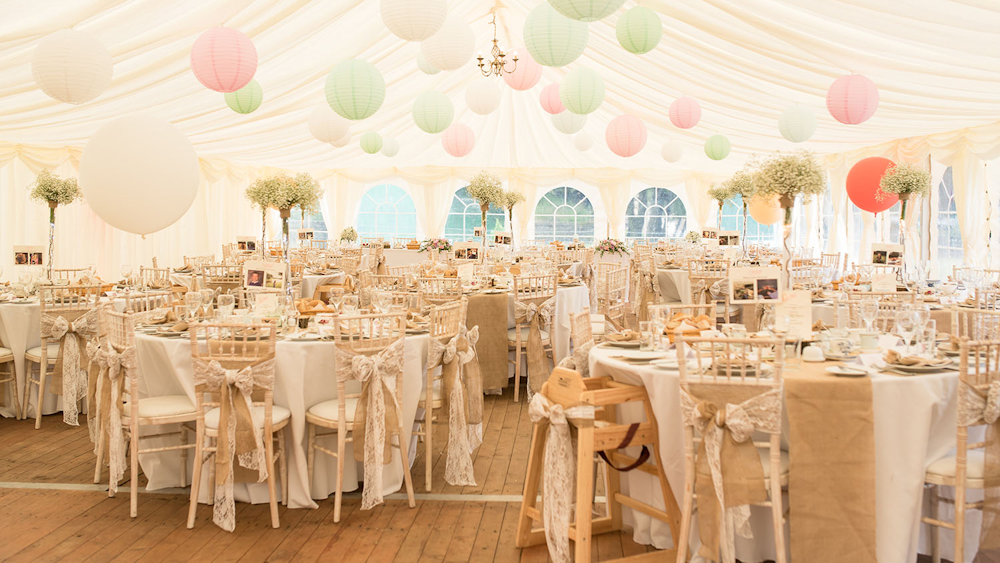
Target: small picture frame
{"type": "Point", "coordinates": [709, 233]}
{"type": "Point", "coordinates": [29, 255]}
{"type": "Point", "coordinates": [477, 232]}
{"type": "Point", "coordinates": [887, 254]}
{"type": "Point", "coordinates": [305, 234]}
{"type": "Point", "coordinates": [503, 238]}
{"type": "Point", "coordinates": [460, 253]}
{"type": "Point", "coordinates": [729, 238]}
{"type": "Point", "coordinates": [472, 253]}
{"type": "Point", "coordinates": [248, 244]}
{"type": "Point", "coordinates": [263, 274]}
{"type": "Point", "coordinates": [755, 285]}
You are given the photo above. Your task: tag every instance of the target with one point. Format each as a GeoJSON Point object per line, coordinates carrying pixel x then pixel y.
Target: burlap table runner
{"type": "Point", "coordinates": [489, 311]}
{"type": "Point", "coordinates": [832, 474]}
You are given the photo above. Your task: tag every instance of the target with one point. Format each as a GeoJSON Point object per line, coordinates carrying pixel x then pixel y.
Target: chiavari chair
{"type": "Point", "coordinates": [223, 278]}
{"type": "Point", "coordinates": [69, 275]}
{"type": "Point", "coordinates": [437, 291]}
{"type": "Point", "coordinates": [612, 291]}
{"type": "Point", "coordinates": [975, 324]}
{"type": "Point", "coordinates": [154, 278]}
{"type": "Point", "coordinates": [8, 375]}
{"type": "Point", "coordinates": [703, 273]}
{"type": "Point", "coordinates": [148, 301]}
{"type": "Point", "coordinates": [831, 260]}
{"type": "Point", "coordinates": [529, 290]}
{"type": "Point", "coordinates": [888, 304]}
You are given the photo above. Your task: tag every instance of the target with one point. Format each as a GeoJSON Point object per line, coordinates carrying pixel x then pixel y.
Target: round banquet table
{"type": "Point", "coordinates": [914, 425]}
{"type": "Point", "coordinates": [310, 282]}
{"type": "Point", "coordinates": [826, 312]}
{"type": "Point", "coordinates": [304, 376]}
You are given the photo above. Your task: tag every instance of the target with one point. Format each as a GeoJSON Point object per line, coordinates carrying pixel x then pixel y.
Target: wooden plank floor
{"type": "Point", "coordinates": [51, 524]}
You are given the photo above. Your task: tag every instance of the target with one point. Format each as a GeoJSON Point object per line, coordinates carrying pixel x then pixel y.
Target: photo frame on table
{"type": "Point", "coordinates": [29, 255]}
{"type": "Point", "coordinates": [460, 253]}
{"type": "Point", "coordinates": [503, 238]}
{"type": "Point", "coordinates": [710, 233]}
{"type": "Point", "coordinates": [305, 234]}
{"type": "Point", "coordinates": [729, 238]}
{"type": "Point", "coordinates": [257, 273]}
{"type": "Point", "coordinates": [248, 244]}
{"type": "Point", "coordinates": [478, 232]}
{"type": "Point", "coordinates": [755, 285]}
{"type": "Point", "coordinates": [887, 254]}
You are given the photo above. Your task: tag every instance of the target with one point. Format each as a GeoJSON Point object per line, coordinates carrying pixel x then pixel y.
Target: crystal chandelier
{"type": "Point", "coordinates": [498, 66]}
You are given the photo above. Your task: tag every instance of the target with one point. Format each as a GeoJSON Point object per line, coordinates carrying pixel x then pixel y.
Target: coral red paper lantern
{"type": "Point", "coordinates": [685, 112]}
{"type": "Point", "coordinates": [852, 99]}
{"type": "Point", "coordinates": [626, 135]}
{"type": "Point", "coordinates": [223, 59]}
{"type": "Point", "coordinates": [863, 184]}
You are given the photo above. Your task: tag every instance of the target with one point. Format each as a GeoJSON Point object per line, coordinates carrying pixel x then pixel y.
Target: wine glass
{"type": "Point", "coordinates": [350, 304]}
{"type": "Point", "coordinates": [226, 304]}
{"type": "Point", "coordinates": [868, 308]}
{"type": "Point", "coordinates": [126, 271]}
{"type": "Point", "coordinates": [905, 324]}
{"type": "Point", "coordinates": [382, 300]}
{"type": "Point", "coordinates": [192, 301]}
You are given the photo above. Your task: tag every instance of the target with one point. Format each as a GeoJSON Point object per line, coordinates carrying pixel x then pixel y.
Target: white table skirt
{"type": "Point", "coordinates": [675, 286]}
{"type": "Point", "coordinates": [914, 426]}
{"type": "Point", "coordinates": [189, 281]}
{"type": "Point", "coordinates": [304, 377]}
{"type": "Point", "coordinates": [311, 282]}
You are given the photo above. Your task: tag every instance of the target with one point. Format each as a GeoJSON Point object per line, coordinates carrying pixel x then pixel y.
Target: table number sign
{"type": "Point", "coordinates": [887, 254]}
{"type": "Point", "coordinates": [729, 238]}
{"type": "Point", "coordinates": [710, 233]}
{"type": "Point", "coordinates": [305, 234]}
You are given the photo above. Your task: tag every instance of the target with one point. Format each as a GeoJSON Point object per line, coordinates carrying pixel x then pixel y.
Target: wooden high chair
{"type": "Point", "coordinates": [602, 436]}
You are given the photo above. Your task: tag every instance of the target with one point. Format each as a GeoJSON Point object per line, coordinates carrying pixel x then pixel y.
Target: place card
{"type": "Point", "coordinates": [794, 314]}
{"type": "Point", "coordinates": [465, 273]}
{"type": "Point", "coordinates": [884, 283]}
{"type": "Point", "coordinates": [887, 341]}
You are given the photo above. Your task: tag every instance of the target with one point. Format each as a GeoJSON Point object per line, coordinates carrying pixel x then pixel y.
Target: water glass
{"type": "Point", "coordinates": [350, 304]}
{"type": "Point", "coordinates": [192, 301]}
{"type": "Point", "coordinates": [226, 305]}
{"type": "Point", "coordinates": [646, 335]}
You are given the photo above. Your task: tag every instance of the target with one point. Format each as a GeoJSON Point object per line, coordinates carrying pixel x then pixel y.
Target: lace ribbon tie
{"type": "Point", "coordinates": [976, 407]}
{"type": "Point", "coordinates": [535, 314]}
{"type": "Point", "coordinates": [69, 373]}
{"type": "Point", "coordinates": [559, 476]}
{"type": "Point", "coordinates": [452, 356]}
{"type": "Point", "coordinates": [113, 365]}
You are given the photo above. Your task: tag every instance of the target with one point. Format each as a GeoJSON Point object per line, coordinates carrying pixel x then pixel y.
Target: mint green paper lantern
{"type": "Point", "coordinates": [639, 30]}
{"type": "Point", "coordinates": [581, 91]}
{"type": "Point", "coordinates": [717, 147]}
{"type": "Point", "coordinates": [586, 10]}
{"type": "Point", "coordinates": [433, 112]}
{"type": "Point", "coordinates": [355, 89]}
{"type": "Point", "coordinates": [551, 38]}
{"type": "Point", "coordinates": [371, 142]}
{"type": "Point", "coordinates": [246, 99]}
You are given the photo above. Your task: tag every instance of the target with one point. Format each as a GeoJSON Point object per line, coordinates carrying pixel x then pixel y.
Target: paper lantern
{"type": "Point", "coordinates": [246, 99]}
{"type": "Point", "coordinates": [526, 75]}
{"type": "Point", "coordinates": [717, 147]}
{"type": "Point", "coordinates": [863, 184]}
{"type": "Point", "coordinates": [483, 96]}
{"type": "Point", "coordinates": [852, 99]}
{"type": "Point", "coordinates": [458, 140]}
{"type": "Point", "coordinates": [433, 112]}
{"type": "Point", "coordinates": [451, 47]}
{"type": "Point", "coordinates": [413, 20]}
{"type": "Point", "coordinates": [551, 38]}
{"type": "Point", "coordinates": [685, 112]}
{"type": "Point", "coordinates": [672, 151]}
{"type": "Point", "coordinates": [355, 89]}
{"type": "Point", "coordinates": [139, 174]}
{"type": "Point", "coordinates": [797, 124]}
{"type": "Point", "coordinates": [424, 66]}
{"type": "Point", "coordinates": [626, 135]}
{"type": "Point", "coordinates": [371, 142]}
{"type": "Point", "coordinates": [766, 210]}
{"type": "Point", "coordinates": [586, 10]}
{"type": "Point", "coordinates": [568, 122]}
{"type": "Point", "coordinates": [639, 30]}
{"type": "Point", "coordinates": [582, 141]}
{"type": "Point", "coordinates": [326, 125]}
{"type": "Point", "coordinates": [550, 99]}
{"type": "Point", "coordinates": [581, 90]}
{"type": "Point", "coordinates": [72, 66]}
{"type": "Point", "coordinates": [223, 59]}
{"type": "Point", "coordinates": [343, 141]}
{"type": "Point", "coordinates": [390, 147]}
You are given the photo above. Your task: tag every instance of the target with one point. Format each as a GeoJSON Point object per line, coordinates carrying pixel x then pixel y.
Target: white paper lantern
{"type": "Point", "coordinates": [139, 173]}
{"type": "Point", "coordinates": [451, 47]}
{"type": "Point", "coordinates": [326, 125]}
{"type": "Point", "coordinates": [343, 141]}
{"type": "Point", "coordinates": [72, 66]}
{"type": "Point", "coordinates": [797, 124]}
{"type": "Point", "coordinates": [424, 66]}
{"type": "Point", "coordinates": [672, 151]}
{"type": "Point", "coordinates": [568, 122]}
{"type": "Point", "coordinates": [483, 96]}
{"type": "Point", "coordinates": [414, 20]}
{"type": "Point", "coordinates": [583, 141]}
{"type": "Point", "coordinates": [390, 147]}
{"type": "Point", "coordinates": [586, 10]}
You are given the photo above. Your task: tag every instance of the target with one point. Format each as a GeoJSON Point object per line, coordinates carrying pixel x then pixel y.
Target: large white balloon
{"type": "Point", "coordinates": [139, 173]}
{"type": "Point", "coordinates": [414, 20]}
{"type": "Point", "coordinates": [72, 66]}
{"type": "Point", "coordinates": [327, 125]}
{"type": "Point", "coordinates": [483, 96]}
{"type": "Point", "coordinates": [569, 122]}
{"type": "Point", "coordinates": [451, 47]}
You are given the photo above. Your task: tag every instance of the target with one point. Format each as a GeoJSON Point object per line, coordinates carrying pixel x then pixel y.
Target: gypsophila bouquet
{"type": "Point", "coordinates": [349, 234]}
{"type": "Point", "coordinates": [720, 193]}
{"type": "Point", "coordinates": [611, 246]}
{"type": "Point", "coordinates": [789, 175]}
{"type": "Point", "coordinates": [904, 180]}
{"type": "Point", "coordinates": [741, 184]}
{"type": "Point", "coordinates": [486, 189]}
{"type": "Point", "coordinates": [54, 190]}
{"type": "Point", "coordinates": [283, 192]}
{"type": "Point", "coordinates": [693, 236]}
{"type": "Point", "coordinates": [435, 244]}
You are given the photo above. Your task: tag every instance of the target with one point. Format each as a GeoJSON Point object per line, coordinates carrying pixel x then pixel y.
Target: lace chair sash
{"type": "Point", "coordinates": [463, 438]}
{"type": "Point", "coordinates": [115, 367]}
{"type": "Point", "coordinates": [69, 375]}
{"type": "Point", "coordinates": [535, 313]}
{"type": "Point", "coordinates": [732, 467]}
{"type": "Point", "coordinates": [559, 476]}
{"type": "Point", "coordinates": [240, 433]}
{"type": "Point", "coordinates": [579, 360]}
{"type": "Point", "coordinates": [976, 407]}
{"type": "Point", "coordinates": [377, 409]}
{"type": "Point", "coordinates": [588, 277]}
{"type": "Point", "coordinates": [647, 288]}
{"type": "Point", "coordinates": [378, 265]}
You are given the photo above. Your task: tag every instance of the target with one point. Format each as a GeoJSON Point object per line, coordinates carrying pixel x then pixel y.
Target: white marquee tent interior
{"type": "Point", "coordinates": [936, 65]}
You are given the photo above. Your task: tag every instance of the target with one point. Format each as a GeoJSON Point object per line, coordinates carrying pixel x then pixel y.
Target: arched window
{"type": "Point", "coordinates": [732, 220]}
{"type": "Point", "coordinates": [949, 237]}
{"type": "Point", "coordinates": [387, 211]}
{"type": "Point", "coordinates": [465, 215]}
{"type": "Point", "coordinates": [655, 213]}
{"type": "Point", "coordinates": [564, 214]}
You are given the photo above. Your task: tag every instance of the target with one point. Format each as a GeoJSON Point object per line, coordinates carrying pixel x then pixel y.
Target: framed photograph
{"type": "Point", "coordinates": [729, 238]}
{"type": "Point", "coordinates": [503, 238]}
{"type": "Point", "coordinates": [29, 255]}
{"type": "Point", "coordinates": [755, 285]}
{"type": "Point", "coordinates": [263, 274]}
{"type": "Point", "coordinates": [460, 253]}
{"type": "Point", "coordinates": [248, 244]}
{"type": "Point", "coordinates": [710, 233]}
{"type": "Point", "coordinates": [887, 254]}
{"type": "Point", "coordinates": [305, 234]}
{"type": "Point", "coordinates": [477, 232]}
{"type": "Point", "coordinates": [472, 253]}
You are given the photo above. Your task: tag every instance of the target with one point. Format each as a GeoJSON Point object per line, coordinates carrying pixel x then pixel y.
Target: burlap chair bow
{"type": "Point", "coordinates": [69, 375]}
{"type": "Point", "coordinates": [647, 290]}
{"type": "Point", "coordinates": [977, 407]}
{"type": "Point", "coordinates": [239, 432]}
{"type": "Point", "coordinates": [464, 407]}
{"type": "Point", "coordinates": [377, 409]}
{"type": "Point", "coordinates": [729, 470]}
{"type": "Point", "coordinates": [535, 314]}
{"type": "Point", "coordinates": [558, 481]}
{"type": "Point", "coordinates": [378, 265]}
{"type": "Point", "coordinates": [115, 367]}
{"type": "Point", "coordinates": [579, 360]}
{"type": "Point", "coordinates": [590, 280]}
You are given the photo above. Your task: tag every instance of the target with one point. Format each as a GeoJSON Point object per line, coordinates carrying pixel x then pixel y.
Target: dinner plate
{"type": "Point", "coordinates": [307, 337]}
{"type": "Point", "coordinates": [922, 369]}
{"type": "Point", "coordinates": [838, 358]}
{"type": "Point", "coordinates": [170, 333]}
{"type": "Point", "coordinates": [845, 371]}
{"type": "Point", "coordinates": [625, 344]}
{"type": "Point", "coordinates": [641, 355]}
{"type": "Point", "coordinates": [948, 351]}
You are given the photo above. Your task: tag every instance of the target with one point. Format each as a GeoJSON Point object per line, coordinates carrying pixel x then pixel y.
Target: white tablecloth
{"type": "Point", "coordinates": [914, 426]}
{"type": "Point", "coordinates": [189, 281]}
{"type": "Point", "coordinates": [305, 376]}
{"type": "Point", "coordinates": [675, 286]}
{"type": "Point", "coordinates": [395, 257]}
{"type": "Point", "coordinates": [311, 282]}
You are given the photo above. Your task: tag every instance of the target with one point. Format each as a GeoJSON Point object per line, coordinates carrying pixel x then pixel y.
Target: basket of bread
{"type": "Point", "coordinates": [310, 307]}
{"type": "Point", "coordinates": [688, 325]}
{"type": "Point", "coordinates": [413, 245]}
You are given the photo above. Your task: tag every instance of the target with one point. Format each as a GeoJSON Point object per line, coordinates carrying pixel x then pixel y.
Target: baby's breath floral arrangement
{"type": "Point", "coordinates": [693, 236]}
{"type": "Point", "coordinates": [611, 246]}
{"type": "Point", "coordinates": [54, 190]}
{"type": "Point", "coordinates": [435, 244]}
{"type": "Point", "coordinates": [510, 198]}
{"type": "Point", "coordinates": [904, 180]}
{"type": "Point", "coordinates": [349, 234]}
{"type": "Point", "coordinates": [283, 192]}
{"type": "Point", "coordinates": [787, 176]}
{"type": "Point", "coordinates": [720, 193]}
{"type": "Point", "coordinates": [486, 189]}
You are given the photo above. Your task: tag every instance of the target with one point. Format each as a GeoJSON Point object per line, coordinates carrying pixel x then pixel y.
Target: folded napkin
{"type": "Point", "coordinates": [415, 325]}
{"type": "Point", "coordinates": [699, 323]}
{"type": "Point", "coordinates": [416, 317]}
{"type": "Point", "coordinates": [162, 317]}
{"type": "Point", "coordinates": [184, 270]}
{"type": "Point", "coordinates": [625, 336]}
{"type": "Point", "coordinates": [819, 326]}
{"type": "Point", "coordinates": [894, 358]}
{"type": "Point", "coordinates": [684, 327]}
{"type": "Point", "coordinates": [179, 327]}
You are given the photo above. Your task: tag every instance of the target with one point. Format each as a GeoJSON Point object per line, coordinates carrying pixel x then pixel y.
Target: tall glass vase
{"type": "Point", "coordinates": [52, 238]}
{"type": "Point", "coordinates": [263, 227]}
{"type": "Point", "coordinates": [510, 224]}
{"type": "Point", "coordinates": [903, 200]}
{"type": "Point", "coordinates": [285, 215]}
{"type": "Point", "coordinates": [786, 206]}
{"type": "Point", "coordinates": [743, 235]}
{"type": "Point", "coordinates": [482, 253]}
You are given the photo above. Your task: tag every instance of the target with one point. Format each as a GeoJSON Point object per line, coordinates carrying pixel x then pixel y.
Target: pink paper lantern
{"type": "Point", "coordinates": [685, 112]}
{"type": "Point", "coordinates": [550, 99]}
{"type": "Point", "coordinates": [223, 59]}
{"type": "Point", "coordinates": [527, 73]}
{"type": "Point", "coordinates": [458, 140]}
{"type": "Point", "coordinates": [852, 99]}
{"type": "Point", "coordinates": [626, 135]}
